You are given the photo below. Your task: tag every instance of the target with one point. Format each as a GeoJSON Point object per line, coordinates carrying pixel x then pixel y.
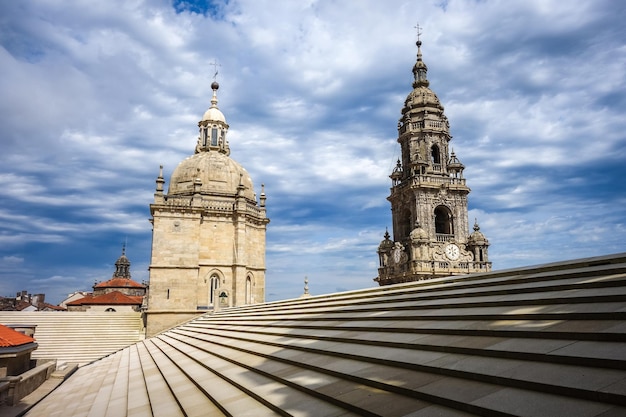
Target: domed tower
{"type": "Point", "coordinates": [428, 197]}
{"type": "Point", "coordinates": [208, 236]}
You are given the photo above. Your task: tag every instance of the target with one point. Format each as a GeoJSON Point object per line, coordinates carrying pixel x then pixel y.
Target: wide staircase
{"type": "Point", "coordinates": [78, 337]}
{"type": "Point", "coordinates": [542, 341]}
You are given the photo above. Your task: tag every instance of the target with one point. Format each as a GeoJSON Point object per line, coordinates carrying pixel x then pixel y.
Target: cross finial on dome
{"type": "Point", "coordinates": [214, 85]}
{"type": "Point", "coordinates": [419, 31]}
{"type": "Point", "coordinates": [215, 65]}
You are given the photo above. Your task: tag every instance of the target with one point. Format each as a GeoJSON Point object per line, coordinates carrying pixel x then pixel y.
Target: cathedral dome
{"type": "Point", "coordinates": [218, 175]}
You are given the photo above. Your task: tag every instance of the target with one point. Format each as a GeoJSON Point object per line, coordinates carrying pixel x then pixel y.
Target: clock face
{"type": "Point", "coordinates": [452, 252]}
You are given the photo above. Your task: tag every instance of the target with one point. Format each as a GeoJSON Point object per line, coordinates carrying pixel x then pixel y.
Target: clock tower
{"type": "Point", "coordinates": [428, 197]}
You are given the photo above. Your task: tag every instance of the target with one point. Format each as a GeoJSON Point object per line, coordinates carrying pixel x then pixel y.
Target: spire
{"type": "Point", "coordinates": [306, 288]}
{"type": "Point", "coordinates": [263, 196]}
{"type": "Point", "coordinates": [419, 69]}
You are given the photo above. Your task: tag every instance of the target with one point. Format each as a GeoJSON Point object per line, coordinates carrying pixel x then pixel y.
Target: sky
{"type": "Point", "coordinates": [94, 96]}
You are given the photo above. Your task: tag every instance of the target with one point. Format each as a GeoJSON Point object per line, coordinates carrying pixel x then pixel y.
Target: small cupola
{"type": "Point", "coordinates": [213, 128]}
{"type": "Point", "coordinates": [396, 175]}
{"type": "Point", "coordinates": [455, 167]}
{"type": "Point", "coordinates": [122, 266]}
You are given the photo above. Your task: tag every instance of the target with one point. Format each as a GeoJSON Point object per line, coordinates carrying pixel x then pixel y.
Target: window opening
{"type": "Point", "coordinates": [215, 283]}
{"type": "Point", "coordinates": [443, 221]}
{"type": "Point", "coordinates": [435, 155]}
{"type": "Point", "coordinates": [248, 291]}
{"type": "Point", "coordinates": [214, 136]}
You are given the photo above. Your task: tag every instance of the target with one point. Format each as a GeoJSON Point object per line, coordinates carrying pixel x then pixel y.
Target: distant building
{"type": "Point", "coordinates": [76, 295]}
{"type": "Point", "coordinates": [208, 234]}
{"type": "Point", "coordinates": [428, 198]}
{"type": "Point", "coordinates": [120, 293]}
{"type": "Point", "coordinates": [24, 301]}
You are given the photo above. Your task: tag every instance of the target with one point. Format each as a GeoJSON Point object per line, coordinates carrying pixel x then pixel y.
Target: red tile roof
{"type": "Point", "coordinates": [119, 283]}
{"type": "Point", "coordinates": [113, 298]}
{"type": "Point", "coordinates": [10, 337]}
{"type": "Point", "coordinates": [46, 306]}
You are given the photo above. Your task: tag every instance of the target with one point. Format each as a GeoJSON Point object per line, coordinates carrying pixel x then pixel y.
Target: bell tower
{"type": "Point", "coordinates": [428, 197]}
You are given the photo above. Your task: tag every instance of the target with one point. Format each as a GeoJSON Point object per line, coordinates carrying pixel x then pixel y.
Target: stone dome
{"type": "Point", "coordinates": [423, 96]}
{"type": "Point", "coordinates": [213, 114]}
{"type": "Point", "coordinates": [386, 243]}
{"type": "Point", "coordinates": [218, 175]}
{"type": "Point", "coordinates": [477, 237]}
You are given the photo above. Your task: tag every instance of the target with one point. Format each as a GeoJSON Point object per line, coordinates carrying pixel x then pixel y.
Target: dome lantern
{"type": "Point", "coordinates": [213, 128]}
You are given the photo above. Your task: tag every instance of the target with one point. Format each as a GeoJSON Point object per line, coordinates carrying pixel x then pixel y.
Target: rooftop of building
{"type": "Point", "coordinates": [12, 338]}
{"type": "Point", "coordinates": [111, 298]}
{"type": "Point", "coordinates": [538, 341]}
{"type": "Point", "coordinates": [119, 283]}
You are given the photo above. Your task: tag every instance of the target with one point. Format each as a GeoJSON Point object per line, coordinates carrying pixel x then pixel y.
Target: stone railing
{"type": "Point", "coordinates": [426, 179]}
{"type": "Point", "coordinates": [255, 210]}
{"type": "Point", "coordinates": [214, 205]}
{"type": "Point", "coordinates": [427, 269]}
{"type": "Point", "coordinates": [14, 388]}
{"type": "Point", "coordinates": [442, 237]}
{"type": "Point", "coordinates": [423, 124]}
{"type": "Point", "coordinates": [218, 205]}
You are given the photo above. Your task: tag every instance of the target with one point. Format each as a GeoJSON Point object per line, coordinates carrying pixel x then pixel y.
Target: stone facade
{"type": "Point", "coordinates": [428, 198]}
{"type": "Point", "coordinates": [208, 235]}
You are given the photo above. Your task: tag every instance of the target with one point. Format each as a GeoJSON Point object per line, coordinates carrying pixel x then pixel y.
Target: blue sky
{"type": "Point", "coordinates": [95, 96]}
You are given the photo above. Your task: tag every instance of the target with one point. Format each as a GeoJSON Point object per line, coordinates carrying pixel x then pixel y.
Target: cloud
{"type": "Point", "coordinates": [96, 97]}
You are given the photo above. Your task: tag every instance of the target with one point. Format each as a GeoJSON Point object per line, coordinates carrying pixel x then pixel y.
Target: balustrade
{"type": "Point", "coordinates": [444, 237]}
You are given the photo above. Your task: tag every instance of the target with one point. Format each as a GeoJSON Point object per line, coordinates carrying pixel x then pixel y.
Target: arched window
{"type": "Point", "coordinates": [248, 290]}
{"type": "Point", "coordinates": [204, 135]}
{"type": "Point", "coordinates": [214, 285]}
{"type": "Point", "coordinates": [444, 222]}
{"type": "Point", "coordinates": [435, 155]}
{"type": "Point", "coordinates": [110, 310]}
{"type": "Point", "coordinates": [214, 136]}
{"type": "Point", "coordinates": [405, 224]}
